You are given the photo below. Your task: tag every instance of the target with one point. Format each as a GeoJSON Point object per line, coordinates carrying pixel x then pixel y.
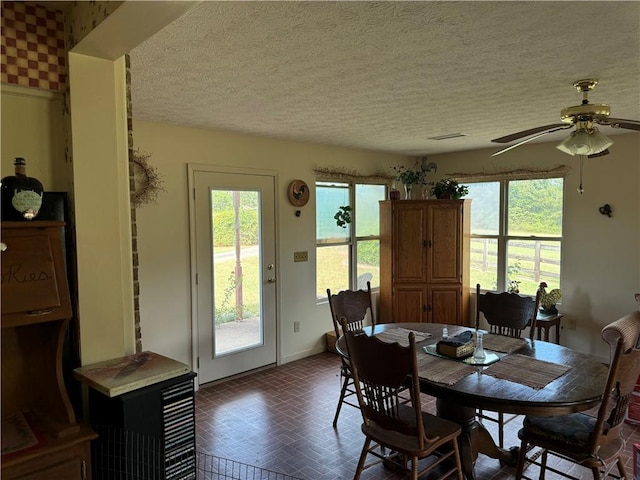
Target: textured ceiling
{"type": "Point", "coordinates": [388, 75]}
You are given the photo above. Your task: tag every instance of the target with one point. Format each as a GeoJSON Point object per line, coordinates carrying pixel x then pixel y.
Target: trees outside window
{"type": "Point", "coordinates": [516, 233]}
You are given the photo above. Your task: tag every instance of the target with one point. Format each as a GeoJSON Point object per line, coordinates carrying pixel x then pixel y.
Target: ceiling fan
{"type": "Point", "coordinates": [585, 139]}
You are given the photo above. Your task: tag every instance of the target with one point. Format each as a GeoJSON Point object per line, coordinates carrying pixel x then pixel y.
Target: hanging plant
{"type": "Point", "coordinates": [343, 216]}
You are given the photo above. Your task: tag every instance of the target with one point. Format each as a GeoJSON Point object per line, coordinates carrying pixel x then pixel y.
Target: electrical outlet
{"type": "Point", "coordinates": [570, 323]}
{"type": "Point", "coordinates": [296, 327]}
{"type": "Point", "coordinates": [300, 256]}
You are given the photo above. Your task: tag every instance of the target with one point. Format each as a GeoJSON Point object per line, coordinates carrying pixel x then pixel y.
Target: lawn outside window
{"type": "Point", "coordinates": [348, 255]}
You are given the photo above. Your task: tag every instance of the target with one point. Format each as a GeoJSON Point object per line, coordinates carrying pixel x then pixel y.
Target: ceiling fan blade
{"type": "Point", "coordinates": [622, 123]}
{"type": "Point", "coordinates": [518, 144]}
{"type": "Point", "coordinates": [561, 126]}
{"type": "Point", "coordinates": [601, 154]}
{"type": "Point", "coordinates": [531, 131]}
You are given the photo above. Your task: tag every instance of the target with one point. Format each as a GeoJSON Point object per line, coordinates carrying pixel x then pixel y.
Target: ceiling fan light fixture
{"type": "Point", "coordinates": [585, 142]}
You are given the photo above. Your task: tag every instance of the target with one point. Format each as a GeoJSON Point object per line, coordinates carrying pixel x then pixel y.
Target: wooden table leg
{"type": "Point", "coordinates": [474, 439]}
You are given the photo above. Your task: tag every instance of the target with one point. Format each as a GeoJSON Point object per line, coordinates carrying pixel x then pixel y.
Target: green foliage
{"type": "Point", "coordinates": [449, 188]}
{"type": "Point", "coordinates": [369, 253]}
{"type": "Point", "coordinates": [223, 311]}
{"type": "Point", "coordinates": [343, 216]}
{"type": "Point", "coordinates": [408, 176]}
{"type": "Point", "coordinates": [224, 228]}
{"type": "Point", "coordinates": [535, 206]}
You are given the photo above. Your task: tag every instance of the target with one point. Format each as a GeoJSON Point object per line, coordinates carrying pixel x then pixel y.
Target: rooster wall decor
{"type": "Point", "coordinates": [298, 193]}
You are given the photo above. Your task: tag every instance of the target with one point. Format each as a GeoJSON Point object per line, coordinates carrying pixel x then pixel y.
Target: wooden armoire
{"type": "Point", "coordinates": [424, 261]}
{"type": "Point", "coordinates": [41, 438]}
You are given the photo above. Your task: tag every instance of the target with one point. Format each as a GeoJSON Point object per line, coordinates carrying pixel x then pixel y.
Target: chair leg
{"type": "Point", "coordinates": [414, 468]}
{"type": "Point", "coordinates": [621, 470]}
{"type": "Point", "coordinates": [456, 456]}
{"type": "Point", "coordinates": [596, 473]}
{"type": "Point", "coordinates": [363, 457]}
{"type": "Point", "coordinates": [501, 429]}
{"type": "Point", "coordinates": [343, 392]}
{"type": "Point", "coordinates": [543, 464]}
{"type": "Point", "coordinates": [522, 459]}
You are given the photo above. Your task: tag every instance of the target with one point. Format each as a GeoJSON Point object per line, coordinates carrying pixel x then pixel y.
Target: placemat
{"type": "Point", "coordinates": [502, 343]}
{"type": "Point", "coordinates": [401, 336]}
{"type": "Point", "coordinates": [526, 370]}
{"type": "Point", "coordinates": [441, 370]}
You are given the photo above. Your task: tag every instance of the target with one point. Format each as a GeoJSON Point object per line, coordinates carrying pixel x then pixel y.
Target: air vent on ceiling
{"type": "Point", "coordinates": [447, 136]}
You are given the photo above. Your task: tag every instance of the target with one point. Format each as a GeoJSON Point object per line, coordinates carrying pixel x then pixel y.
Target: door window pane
{"type": "Point", "coordinates": [237, 278]}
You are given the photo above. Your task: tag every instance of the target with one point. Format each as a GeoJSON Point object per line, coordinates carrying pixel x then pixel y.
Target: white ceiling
{"type": "Point", "coordinates": [388, 75]}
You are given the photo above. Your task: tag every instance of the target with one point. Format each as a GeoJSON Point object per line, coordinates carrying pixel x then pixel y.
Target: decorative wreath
{"type": "Point", "coordinates": [146, 180]}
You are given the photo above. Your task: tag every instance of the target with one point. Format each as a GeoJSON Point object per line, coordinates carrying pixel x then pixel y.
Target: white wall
{"type": "Point", "coordinates": [163, 231]}
{"type": "Point", "coordinates": [600, 255]}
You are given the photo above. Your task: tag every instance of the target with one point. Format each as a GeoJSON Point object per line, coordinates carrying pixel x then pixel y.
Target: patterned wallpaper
{"type": "Point", "coordinates": [33, 49]}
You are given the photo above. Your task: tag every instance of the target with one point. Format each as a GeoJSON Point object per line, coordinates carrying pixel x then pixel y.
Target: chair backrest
{"type": "Point", "coordinates": [507, 313]}
{"type": "Point", "coordinates": [623, 337]}
{"type": "Point", "coordinates": [353, 306]}
{"type": "Point", "coordinates": [380, 373]}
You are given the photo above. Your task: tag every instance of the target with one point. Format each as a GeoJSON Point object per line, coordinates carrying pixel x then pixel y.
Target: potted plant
{"type": "Point", "coordinates": [409, 177]}
{"type": "Point", "coordinates": [449, 188]}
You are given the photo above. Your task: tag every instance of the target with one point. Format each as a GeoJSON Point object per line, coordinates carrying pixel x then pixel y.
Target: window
{"type": "Point", "coordinates": [347, 257]}
{"type": "Point", "coordinates": [516, 233]}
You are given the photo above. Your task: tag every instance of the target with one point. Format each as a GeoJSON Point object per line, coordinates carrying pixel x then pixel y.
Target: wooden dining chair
{"type": "Point", "coordinates": [381, 371]}
{"type": "Point", "coordinates": [506, 314]}
{"type": "Point", "coordinates": [593, 442]}
{"type": "Point", "coordinates": [354, 306]}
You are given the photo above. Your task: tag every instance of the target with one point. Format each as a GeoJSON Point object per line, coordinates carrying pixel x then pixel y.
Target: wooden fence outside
{"type": "Point", "coordinates": [488, 259]}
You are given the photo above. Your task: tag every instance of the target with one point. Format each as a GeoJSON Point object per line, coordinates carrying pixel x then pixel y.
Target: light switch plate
{"type": "Point", "coordinates": [300, 256]}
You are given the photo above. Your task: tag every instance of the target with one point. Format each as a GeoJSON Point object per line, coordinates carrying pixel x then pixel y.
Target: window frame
{"type": "Point", "coordinates": [353, 239]}
{"type": "Point", "coordinates": [503, 238]}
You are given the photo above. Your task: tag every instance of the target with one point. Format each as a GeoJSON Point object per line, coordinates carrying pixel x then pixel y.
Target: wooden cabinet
{"type": "Point", "coordinates": [46, 441]}
{"type": "Point", "coordinates": [424, 261]}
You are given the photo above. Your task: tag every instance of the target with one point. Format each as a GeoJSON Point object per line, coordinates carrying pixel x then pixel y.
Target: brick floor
{"type": "Point", "coordinates": [279, 419]}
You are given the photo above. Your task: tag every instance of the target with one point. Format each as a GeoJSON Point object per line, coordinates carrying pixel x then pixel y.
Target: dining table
{"type": "Point", "coordinates": [520, 376]}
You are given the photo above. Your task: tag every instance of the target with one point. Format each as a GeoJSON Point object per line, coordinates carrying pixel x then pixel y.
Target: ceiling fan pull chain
{"type": "Point", "coordinates": [580, 189]}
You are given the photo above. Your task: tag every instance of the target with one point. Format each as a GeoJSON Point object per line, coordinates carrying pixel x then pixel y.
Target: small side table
{"type": "Point", "coordinates": [544, 321]}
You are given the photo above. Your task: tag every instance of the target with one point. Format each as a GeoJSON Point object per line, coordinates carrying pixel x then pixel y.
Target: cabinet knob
{"type": "Point", "coordinates": [3, 246]}
{"type": "Point", "coordinates": [427, 243]}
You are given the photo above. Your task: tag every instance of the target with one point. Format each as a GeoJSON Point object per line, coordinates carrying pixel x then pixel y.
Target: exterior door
{"type": "Point", "coordinates": [234, 293]}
